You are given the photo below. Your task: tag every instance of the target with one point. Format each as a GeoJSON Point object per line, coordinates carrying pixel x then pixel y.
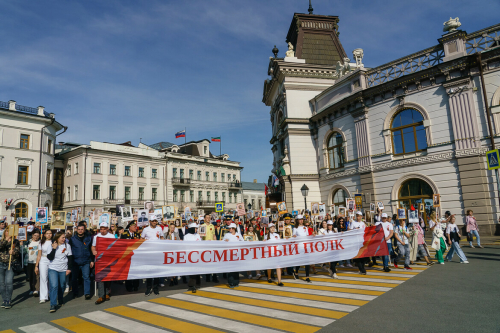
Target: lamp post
{"type": "Point", "coordinates": [249, 206]}
{"type": "Point", "coordinates": [304, 189]}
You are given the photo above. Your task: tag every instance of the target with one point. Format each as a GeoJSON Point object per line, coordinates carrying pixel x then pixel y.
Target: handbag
{"type": "Point", "coordinates": [469, 237]}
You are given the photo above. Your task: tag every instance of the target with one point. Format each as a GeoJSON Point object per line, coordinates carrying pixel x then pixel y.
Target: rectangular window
{"type": "Point", "coordinates": [235, 198]}
{"type": "Point", "coordinates": [154, 173]}
{"type": "Point", "coordinates": [68, 193]}
{"type": "Point", "coordinates": [76, 168]}
{"type": "Point", "coordinates": [207, 176]}
{"type": "Point", "coordinates": [208, 195]}
{"type": "Point", "coordinates": [68, 170]}
{"type": "Point", "coordinates": [228, 177]}
{"type": "Point", "coordinates": [183, 198]}
{"type": "Point", "coordinates": [112, 169]}
{"type": "Point", "coordinates": [191, 196]}
{"type": "Point", "coordinates": [154, 194]}
{"type": "Point", "coordinates": [174, 172]}
{"type": "Point", "coordinates": [215, 176]}
{"type": "Point", "coordinates": [96, 192]}
{"type": "Point", "coordinates": [199, 175]}
{"type": "Point", "coordinates": [260, 203]}
{"type": "Point", "coordinates": [76, 192]}
{"type": "Point", "coordinates": [127, 171]}
{"type": "Point", "coordinates": [49, 174]}
{"type": "Point", "coordinates": [230, 198]}
{"type": "Point", "coordinates": [182, 173]}
{"type": "Point", "coordinates": [200, 195]}
{"type": "Point", "coordinates": [253, 204]}
{"type": "Point", "coordinates": [190, 174]}
{"type": "Point", "coordinates": [205, 150]}
{"type": "Point", "coordinates": [49, 146]}
{"type": "Point", "coordinates": [222, 177]}
{"type": "Point", "coordinates": [223, 196]}
{"type": "Point", "coordinates": [141, 172]}
{"type": "Point", "coordinates": [25, 141]}
{"type": "Point", "coordinates": [175, 195]}
{"type": "Point", "coordinates": [141, 193]}
{"type": "Point", "coordinates": [216, 196]}
{"type": "Point", "coordinates": [246, 204]}
{"type": "Point", "coordinates": [112, 192]}
{"type": "Point", "coordinates": [234, 178]}
{"type": "Point", "coordinates": [22, 175]}
{"type": "Point", "coordinates": [97, 167]}
{"type": "Point", "coordinates": [127, 192]}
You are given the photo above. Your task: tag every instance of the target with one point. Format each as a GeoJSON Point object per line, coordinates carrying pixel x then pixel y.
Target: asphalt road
{"type": "Point", "coordinates": [452, 297]}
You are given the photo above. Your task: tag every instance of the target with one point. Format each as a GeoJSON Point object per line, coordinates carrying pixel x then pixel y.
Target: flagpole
{"type": "Point", "coordinates": [220, 145]}
{"type": "Point", "coordinates": [185, 137]}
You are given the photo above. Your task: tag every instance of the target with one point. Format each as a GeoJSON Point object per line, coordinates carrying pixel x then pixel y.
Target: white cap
{"type": "Point", "coordinates": [103, 224]}
{"type": "Point", "coordinates": [384, 215]}
{"type": "Point", "coordinates": [359, 213]}
{"type": "Point", "coordinates": [201, 218]}
{"type": "Point", "coordinates": [153, 218]}
{"type": "Point", "coordinates": [271, 225]}
{"type": "Point", "coordinates": [193, 225]}
{"type": "Point", "coordinates": [329, 222]}
{"type": "Point", "coordinates": [232, 225]}
{"type": "Point", "coordinates": [299, 217]}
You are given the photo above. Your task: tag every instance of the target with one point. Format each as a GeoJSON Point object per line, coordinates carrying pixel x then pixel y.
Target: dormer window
{"type": "Point", "coordinates": [205, 150]}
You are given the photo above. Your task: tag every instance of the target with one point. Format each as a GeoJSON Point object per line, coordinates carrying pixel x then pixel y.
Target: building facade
{"type": "Point", "coordinates": [398, 133]}
{"type": "Point", "coordinates": [104, 175]}
{"type": "Point", "coordinates": [254, 195]}
{"type": "Point", "coordinates": [27, 139]}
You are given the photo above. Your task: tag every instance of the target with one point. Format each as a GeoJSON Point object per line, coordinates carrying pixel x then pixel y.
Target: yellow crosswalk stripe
{"type": "Point", "coordinates": [241, 316]}
{"type": "Point", "coordinates": [8, 331]}
{"type": "Point", "coordinates": [162, 321]}
{"type": "Point", "coordinates": [373, 276]}
{"type": "Point", "coordinates": [311, 286]}
{"type": "Point", "coordinates": [375, 284]}
{"type": "Point", "coordinates": [303, 296]}
{"type": "Point", "coordinates": [78, 325]}
{"type": "Point", "coordinates": [376, 269]}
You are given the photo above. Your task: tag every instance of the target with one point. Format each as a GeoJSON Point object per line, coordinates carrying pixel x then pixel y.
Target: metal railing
{"type": "Point", "coordinates": [208, 203]}
{"type": "Point", "coordinates": [127, 201]}
{"type": "Point", "coordinates": [22, 108]}
{"type": "Point", "coordinates": [181, 181]}
{"type": "Point", "coordinates": [235, 185]}
{"type": "Point", "coordinates": [484, 39]}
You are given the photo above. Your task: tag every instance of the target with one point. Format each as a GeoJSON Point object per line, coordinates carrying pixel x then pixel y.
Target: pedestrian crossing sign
{"type": "Point", "coordinates": [219, 207]}
{"type": "Point", "coordinates": [493, 159]}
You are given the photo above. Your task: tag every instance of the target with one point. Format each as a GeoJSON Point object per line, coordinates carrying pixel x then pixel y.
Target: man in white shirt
{"type": "Point", "coordinates": [233, 278]}
{"type": "Point", "coordinates": [153, 232]}
{"type": "Point", "coordinates": [388, 232]}
{"type": "Point", "coordinates": [102, 287]}
{"type": "Point", "coordinates": [193, 236]}
{"type": "Point", "coordinates": [401, 234]}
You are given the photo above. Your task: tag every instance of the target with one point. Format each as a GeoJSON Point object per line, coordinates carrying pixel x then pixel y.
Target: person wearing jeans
{"type": "Point", "coordinates": [401, 234]}
{"type": "Point", "coordinates": [81, 246]}
{"type": "Point", "coordinates": [388, 233]}
{"type": "Point", "coordinates": [6, 274]}
{"type": "Point", "coordinates": [453, 235]}
{"type": "Point", "coordinates": [472, 228]}
{"type": "Point", "coordinates": [102, 287]}
{"type": "Point", "coordinates": [60, 258]}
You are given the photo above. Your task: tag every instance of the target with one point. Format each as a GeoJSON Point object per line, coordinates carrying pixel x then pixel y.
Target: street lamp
{"type": "Point", "coordinates": [249, 206]}
{"type": "Point", "coordinates": [304, 189]}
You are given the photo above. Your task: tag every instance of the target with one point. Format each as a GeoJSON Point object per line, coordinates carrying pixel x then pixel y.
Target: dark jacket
{"type": "Point", "coordinates": [81, 249]}
{"type": "Point", "coordinates": [4, 251]}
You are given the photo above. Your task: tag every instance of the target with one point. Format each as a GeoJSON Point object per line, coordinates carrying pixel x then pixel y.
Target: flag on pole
{"type": "Point", "coordinates": [266, 189]}
{"type": "Point", "coordinates": [180, 134]}
{"type": "Point", "coordinates": [216, 139]}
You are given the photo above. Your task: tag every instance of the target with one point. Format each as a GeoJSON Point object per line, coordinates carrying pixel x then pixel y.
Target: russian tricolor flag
{"type": "Point", "coordinates": [181, 134]}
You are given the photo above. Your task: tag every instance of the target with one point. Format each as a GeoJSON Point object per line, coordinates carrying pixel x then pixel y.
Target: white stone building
{"type": "Point", "coordinates": [103, 175]}
{"type": "Point", "coordinates": [398, 133]}
{"type": "Point", "coordinates": [254, 194]}
{"type": "Point", "coordinates": [27, 138]}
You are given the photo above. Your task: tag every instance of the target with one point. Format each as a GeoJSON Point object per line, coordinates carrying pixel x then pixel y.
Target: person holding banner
{"type": "Point", "coordinates": [42, 265]}
{"type": "Point", "coordinates": [359, 224]}
{"type": "Point", "coordinates": [273, 236]}
{"type": "Point", "coordinates": [332, 269]}
{"type": "Point", "coordinates": [102, 287]}
{"type": "Point", "coordinates": [233, 278]}
{"type": "Point", "coordinates": [10, 254]}
{"type": "Point", "coordinates": [300, 231]}
{"type": "Point", "coordinates": [209, 236]}
{"type": "Point", "coordinates": [152, 232]}
{"type": "Point", "coordinates": [131, 233]}
{"type": "Point", "coordinates": [193, 236]}
{"type": "Point", "coordinates": [388, 232]}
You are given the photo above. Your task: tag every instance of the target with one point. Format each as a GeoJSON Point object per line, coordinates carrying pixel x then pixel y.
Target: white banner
{"type": "Point", "coordinates": [137, 259]}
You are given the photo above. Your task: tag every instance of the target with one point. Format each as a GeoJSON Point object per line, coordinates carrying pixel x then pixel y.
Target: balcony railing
{"type": "Point", "coordinates": [207, 203]}
{"type": "Point", "coordinates": [128, 201]}
{"type": "Point", "coordinates": [235, 185]}
{"type": "Point", "coordinates": [181, 181]}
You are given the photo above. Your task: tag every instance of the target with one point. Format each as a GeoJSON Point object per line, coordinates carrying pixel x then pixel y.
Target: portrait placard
{"type": "Point", "coordinates": [22, 234]}
{"type": "Point", "coordinates": [68, 218]}
{"type": "Point", "coordinates": [119, 210]}
{"type": "Point", "coordinates": [58, 220]}
{"type": "Point", "coordinates": [41, 215]}
{"type": "Point", "coordinates": [314, 208]}
{"type": "Point", "coordinates": [126, 213]}
{"type": "Point", "coordinates": [105, 218]}
{"type": "Point", "coordinates": [240, 208]}
{"type": "Point", "coordinates": [401, 213]}
{"type": "Point", "coordinates": [350, 204]}
{"type": "Point", "coordinates": [380, 205]}
{"type": "Point", "coordinates": [282, 207]}
{"type": "Point", "coordinates": [342, 211]}
{"type": "Point", "coordinates": [358, 198]}
{"type": "Point", "coordinates": [142, 219]}
{"type": "Point", "coordinates": [287, 233]}
{"type": "Point", "coordinates": [322, 210]}
{"type": "Point", "coordinates": [412, 216]}
{"type": "Point", "coordinates": [436, 200]}
{"type": "Point", "coordinates": [263, 213]}
{"type": "Point", "coordinates": [168, 212]}
{"type": "Point", "coordinates": [149, 206]}
{"type": "Point", "coordinates": [158, 214]}
{"type": "Point", "coordinates": [372, 207]}
{"type": "Point", "coordinates": [74, 215]}
{"type": "Point", "coordinates": [368, 217]}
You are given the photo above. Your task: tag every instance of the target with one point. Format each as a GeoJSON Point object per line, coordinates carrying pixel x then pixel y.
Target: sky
{"type": "Point", "coordinates": [118, 71]}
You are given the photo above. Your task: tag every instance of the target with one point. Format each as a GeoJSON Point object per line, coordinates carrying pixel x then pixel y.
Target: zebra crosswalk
{"type": "Point", "coordinates": [256, 305]}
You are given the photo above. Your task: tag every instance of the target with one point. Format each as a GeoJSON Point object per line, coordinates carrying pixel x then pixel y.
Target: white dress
{"type": "Point", "coordinates": [43, 270]}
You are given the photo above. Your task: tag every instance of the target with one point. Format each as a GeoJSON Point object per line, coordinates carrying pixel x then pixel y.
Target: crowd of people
{"type": "Point", "coordinates": [59, 262]}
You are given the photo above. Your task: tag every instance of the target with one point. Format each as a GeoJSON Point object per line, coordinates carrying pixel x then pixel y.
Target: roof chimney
{"type": "Point", "coordinates": [255, 181]}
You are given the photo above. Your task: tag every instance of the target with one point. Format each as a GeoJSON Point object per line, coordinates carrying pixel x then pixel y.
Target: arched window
{"type": "Point", "coordinates": [335, 151]}
{"type": "Point", "coordinates": [21, 210]}
{"type": "Point", "coordinates": [408, 132]}
{"type": "Point", "coordinates": [339, 197]}
{"type": "Point", "coordinates": [418, 193]}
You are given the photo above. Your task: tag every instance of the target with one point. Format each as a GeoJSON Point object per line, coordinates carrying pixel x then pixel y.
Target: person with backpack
{"type": "Point", "coordinates": [81, 246]}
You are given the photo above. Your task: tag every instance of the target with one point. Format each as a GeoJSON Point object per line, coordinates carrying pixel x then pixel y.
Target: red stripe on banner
{"type": "Point", "coordinates": [114, 257]}
{"type": "Point", "coordinates": [374, 243]}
